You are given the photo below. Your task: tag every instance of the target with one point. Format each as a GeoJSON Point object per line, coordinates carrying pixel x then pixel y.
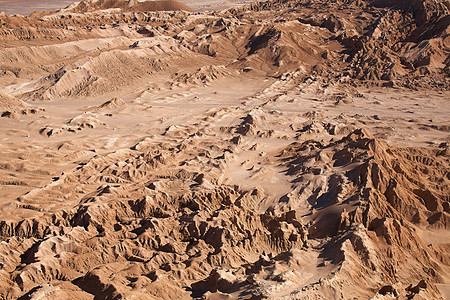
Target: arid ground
{"type": "Point", "coordinates": [26, 7]}
{"type": "Point", "coordinates": [294, 149]}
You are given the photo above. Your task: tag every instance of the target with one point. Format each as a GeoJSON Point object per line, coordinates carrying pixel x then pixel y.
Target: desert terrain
{"type": "Point", "coordinates": [294, 149]}
{"type": "Point", "coordinates": [26, 7]}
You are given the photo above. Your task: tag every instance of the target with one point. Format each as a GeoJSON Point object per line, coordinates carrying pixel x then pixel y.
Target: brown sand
{"type": "Point", "coordinates": [26, 7]}
{"type": "Point", "coordinates": [280, 150]}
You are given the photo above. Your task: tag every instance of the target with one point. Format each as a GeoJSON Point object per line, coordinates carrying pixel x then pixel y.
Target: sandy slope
{"type": "Point", "coordinates": [27, 7]}
{"type": "Point", "coordinates": [281, 150]}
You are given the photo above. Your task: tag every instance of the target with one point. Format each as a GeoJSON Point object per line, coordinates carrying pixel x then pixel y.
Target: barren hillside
{"type": "Point", "coordinates": [276, 150]}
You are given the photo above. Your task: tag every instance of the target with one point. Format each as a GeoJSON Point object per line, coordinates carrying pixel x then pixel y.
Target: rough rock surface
{"type": "Point", "coordinates": [281, 150]}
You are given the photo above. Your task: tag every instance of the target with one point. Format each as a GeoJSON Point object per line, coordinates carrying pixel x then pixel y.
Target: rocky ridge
{"type": "Point", "coordinates": [288, 190]}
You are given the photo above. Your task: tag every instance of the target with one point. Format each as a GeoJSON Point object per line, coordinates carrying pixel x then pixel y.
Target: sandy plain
{"type": "Point", "coordinates": [26, 7]}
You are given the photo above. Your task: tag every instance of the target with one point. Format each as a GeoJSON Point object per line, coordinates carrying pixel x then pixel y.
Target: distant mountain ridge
{"type": "Point", "coordinates": [128, 5]}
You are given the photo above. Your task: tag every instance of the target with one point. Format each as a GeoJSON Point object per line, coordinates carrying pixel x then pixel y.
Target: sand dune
{"type": "Point", "coordinates": [275, 150]}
